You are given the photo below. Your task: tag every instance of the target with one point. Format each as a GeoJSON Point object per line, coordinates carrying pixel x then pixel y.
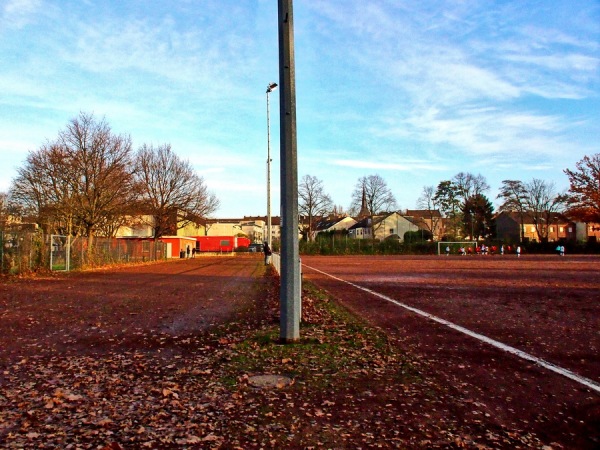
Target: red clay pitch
{"type": "Point", "coordinates": [547, 306]}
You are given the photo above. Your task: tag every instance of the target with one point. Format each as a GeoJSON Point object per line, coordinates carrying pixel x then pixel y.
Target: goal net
{"type": "Point", "coordinates": [453, 248]}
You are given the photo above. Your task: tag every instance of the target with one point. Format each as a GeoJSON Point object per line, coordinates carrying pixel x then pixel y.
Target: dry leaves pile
{"type": "Point", "coordinates": [352, 388]}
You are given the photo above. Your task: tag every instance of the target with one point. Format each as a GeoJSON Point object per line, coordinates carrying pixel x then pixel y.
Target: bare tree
{"type": "Point", "coordinates": [314, 202]}
{"type": "Point", "coordinates": [74, 184]}
{"type": "Point", "coordinates": [377, 196]}
{"type": "Point", "coordinates": [3, 210]}
{"type": "Point", "coordinates": [469, 185]}
{"type": "Point", "coordinates": [543, 202]}
{"type": "Point", "coordinates": [172, 193]}
{"type": "Point", "coordinates": [338, 211]}
{"type": "Point", "coordinates": [514, 196]}
{"type": "Point", "coordinates": [101, 167]}
{"type": "Point", "coordinates": [43, 189]}
{"type": "Point", "coordinates": [428, 202]}
{"type": "Point", "coordinates": [584, 190]}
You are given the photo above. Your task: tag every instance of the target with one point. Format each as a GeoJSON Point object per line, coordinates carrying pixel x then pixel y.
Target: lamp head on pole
{"type": "Point", "coordinates": [271, 87]}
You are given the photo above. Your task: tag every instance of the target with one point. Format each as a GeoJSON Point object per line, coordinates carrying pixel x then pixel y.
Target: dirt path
{"type": "Point", "coordinates": [99, 310]}
{"type": "Point", "coordinates": [543, 306]}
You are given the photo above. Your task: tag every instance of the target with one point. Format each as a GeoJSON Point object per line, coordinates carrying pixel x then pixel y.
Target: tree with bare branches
{"type": "Point", "coordinates": [543, 202]}
{"type": "Point", "coordinates": [314, 203]}
{"type": "Point", "coordinates": [74, 184]}
{"type": "Point", "coordinates": [469, 185]}
{"type": "Point", "coordinates": [3, 210]}
{"type": "Point", "coordinates": [43, 191]}
{"type": "Point", "coordinates": [428, 202]}
{"type": "Point", "coordinates": [377, 196]}
{"type": "Point", "coordinates": [101, 166]}
{"type": "Point", "coordinates": [171, 192]}
{"type": "Point", "coordinates": [514, 196]}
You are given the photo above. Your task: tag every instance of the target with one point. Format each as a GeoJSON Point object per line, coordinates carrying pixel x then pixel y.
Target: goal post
{"type": "Point", "coordinates": [454, 247]}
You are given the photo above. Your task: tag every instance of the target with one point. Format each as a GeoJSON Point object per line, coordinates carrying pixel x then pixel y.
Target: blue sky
{"type": "Point", "coordinates": [413, 91]}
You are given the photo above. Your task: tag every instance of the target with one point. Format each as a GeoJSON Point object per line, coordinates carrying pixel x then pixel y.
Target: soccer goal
{"type": "Point", "coordinates": [453, 248]}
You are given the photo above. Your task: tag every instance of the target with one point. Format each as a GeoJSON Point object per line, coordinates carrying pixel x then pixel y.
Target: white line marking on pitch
{"type": "Point", "coordinates": [507, 348]}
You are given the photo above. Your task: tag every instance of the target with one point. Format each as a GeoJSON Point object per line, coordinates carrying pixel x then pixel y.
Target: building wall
{"type": "Point", "coordinates": [507, 229]}
{"type": "Point", "coordinates": [138, 226]}
{"type": "Point", "coordinates": [191, 229]}
{"type": "Point", "coordinates": [255, 230]}
{"type": "Point", "coordinates": [222, 229]}
{"type": "Point", "coordinates": [394, 224]}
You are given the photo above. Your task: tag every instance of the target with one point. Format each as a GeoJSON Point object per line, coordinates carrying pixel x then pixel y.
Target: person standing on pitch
{"type": "Point", "coordinates": [268, 252]}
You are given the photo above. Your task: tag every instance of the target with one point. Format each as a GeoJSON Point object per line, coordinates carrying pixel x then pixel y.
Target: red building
{"type": "Point", "coordinates": [220, 243]}
{"type": "Point", "coordinates": [177, 244]}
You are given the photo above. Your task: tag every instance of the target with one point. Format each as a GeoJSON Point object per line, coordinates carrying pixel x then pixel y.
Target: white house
{"type": "Point", "coordinates": [335, 224]}
{"type": "Point", "coordinates": [389, 225]}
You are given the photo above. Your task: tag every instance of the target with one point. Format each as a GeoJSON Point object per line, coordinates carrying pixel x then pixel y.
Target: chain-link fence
{"type": "Point", "coordinates": [22, 251]}
{"type": "Point", "coordinates": [104, 251]}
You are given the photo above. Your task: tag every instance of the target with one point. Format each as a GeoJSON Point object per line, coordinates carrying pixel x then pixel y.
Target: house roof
{"type": "Point", "coordinates": [232, 221]}
{"type": "Point", "coordinates": [275, 220]}
{"type": "Point", "coordinates": [528, 217]}
{"type": "Point", "coordinates": [365, 222]}
{"type": "Point", "coordinates": [325, 224]}
{"type": "Point", "coordinates": [424, 213]}
{"type": "Point", "coordinates": [417, 221]}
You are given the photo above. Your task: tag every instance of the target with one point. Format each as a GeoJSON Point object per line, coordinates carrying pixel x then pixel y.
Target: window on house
{"type": "Point", "coordinates": [551, 229]}
{"type": "Point", "coordinates": [146, 246]}
{"type": "Point", "coordinates": [533, 229]}
{"type": "Point", "coordinates": [562, 229]}
{"type": "Point", "coordinates": [391, 231]}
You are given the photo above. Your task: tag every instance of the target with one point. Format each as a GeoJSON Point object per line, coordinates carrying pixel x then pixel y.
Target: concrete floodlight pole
{"type": "Point", "coordinates": [270, 88]}
{"type": "Point", "coordinates": [289, 295]}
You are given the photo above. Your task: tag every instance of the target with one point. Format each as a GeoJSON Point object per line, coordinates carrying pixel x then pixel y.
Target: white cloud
{"type": "Point", "coordinates": [405, 165]}
{"type": "Point", "coordinates": [411, 89]}
{"type": "Point", "coordinates": [560, 62]}
{"type": "Point", "coordinates": [197, 58]}
{"type": "Point", "coordinates": [19, 13]}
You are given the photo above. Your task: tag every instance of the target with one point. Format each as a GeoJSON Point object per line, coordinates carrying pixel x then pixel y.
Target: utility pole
{"type": "Point", "coordinates": [270, 88]}
{"type": "Point", "coordinates": [289, 295]}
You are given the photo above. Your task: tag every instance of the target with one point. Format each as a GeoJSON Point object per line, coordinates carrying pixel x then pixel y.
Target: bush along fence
{"type": "Point", "coordinates": [334, 244]}
{"type": "Point", "coordinates": [342, 245]}
{"type": "Point", "coordinates": [22, 252]}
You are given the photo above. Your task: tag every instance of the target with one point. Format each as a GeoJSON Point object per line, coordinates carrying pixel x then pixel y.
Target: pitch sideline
{"type": "Point", "coordinates": [507, 348]}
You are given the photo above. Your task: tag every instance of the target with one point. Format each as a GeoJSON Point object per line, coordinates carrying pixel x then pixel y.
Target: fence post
{"type": "Point", "coordinates": [68, 255]}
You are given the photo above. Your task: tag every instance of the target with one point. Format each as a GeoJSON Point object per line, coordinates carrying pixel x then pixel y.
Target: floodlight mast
{"type": "Point", "coordinates": [270, 88]}
{"type": "Point", "coordinates": [289, 295]}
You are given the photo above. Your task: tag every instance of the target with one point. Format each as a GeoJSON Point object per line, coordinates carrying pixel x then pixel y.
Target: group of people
{"type": "Point", "coordinates": [484, 250]}
{"type": "Point", "coordinates": [192, 251]}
